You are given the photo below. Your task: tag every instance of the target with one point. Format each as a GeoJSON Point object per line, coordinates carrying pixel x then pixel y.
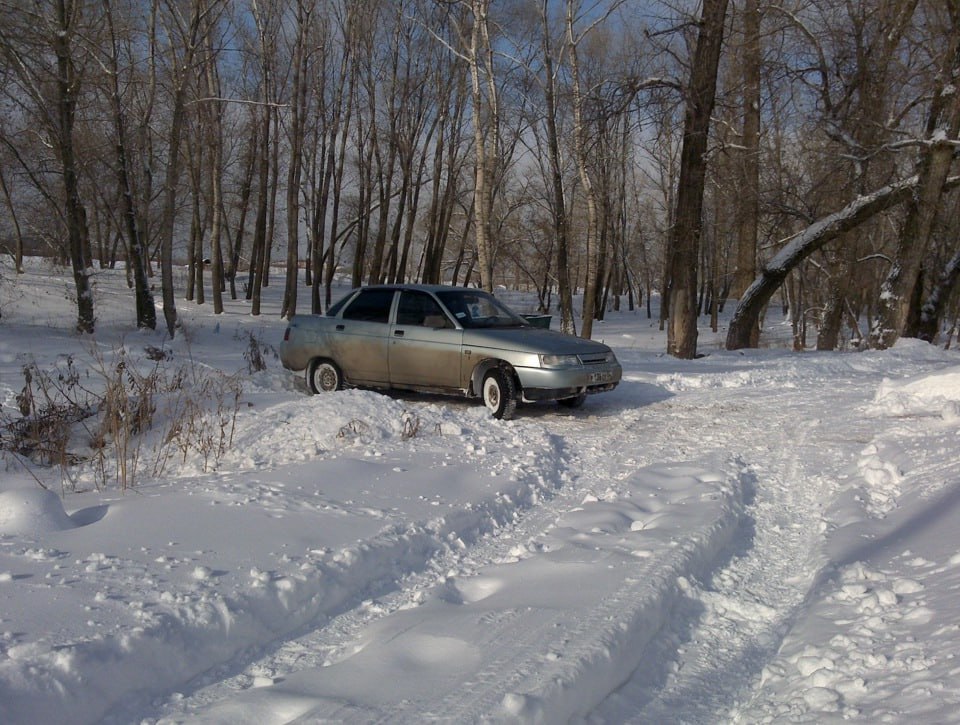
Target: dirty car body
{"type": "Point", "coordinates": [449, 340]}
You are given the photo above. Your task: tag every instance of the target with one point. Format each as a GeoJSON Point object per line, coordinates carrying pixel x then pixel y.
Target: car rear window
{"type": "Point", "coordinates": [338, 305]}
{"type": "Point", "coordinates": [371, 305]}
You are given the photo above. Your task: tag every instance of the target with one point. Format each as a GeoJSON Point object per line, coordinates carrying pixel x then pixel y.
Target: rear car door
{"type": "Point", "coordinates": [361, 335]}
{"type": "Point", "coordinates": [425, 346]}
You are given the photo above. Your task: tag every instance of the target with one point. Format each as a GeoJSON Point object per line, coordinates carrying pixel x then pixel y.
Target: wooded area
{"type": "Point", "coordinates": [795, 152]}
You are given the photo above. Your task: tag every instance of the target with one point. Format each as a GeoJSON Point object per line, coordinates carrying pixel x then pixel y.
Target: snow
{"type": "Point", "coordinates": [754, 536]}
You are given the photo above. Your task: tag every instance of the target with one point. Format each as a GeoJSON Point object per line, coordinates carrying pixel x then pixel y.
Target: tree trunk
{"type": "Point", "coordinates": [146, 310]}
{"type": "Point", "coordinates": [246, 186]}
{"type": "Point", "coordinates": [67, 90]}
{"type": "Point", "coordinates": [18, 249]}
{"type": "Point", "coordinates": [482, 162]}
{"type": "Point", "coordinates": [258, 259]}
{"type": "Point", "coordinates": [748, 208]}
{"type": "Point", "coordinates": [195, 292]}
{"type": "Point", "coordinates": [684, 245]}
{"type": "Point", "coordinates": [931, 314]}
{"type": "Point", "coordinates": [168, 217]}
{"type": "Point", "coordinates": [298, 106]}
{"type": "Point", "coordinates": [580, 150]}
{"type": "Point", "coordinates": [338, 174]}
{"type": "Point", "coordinates": [559, 203]}
{"type": "Point", "coordinates": [943, 128]}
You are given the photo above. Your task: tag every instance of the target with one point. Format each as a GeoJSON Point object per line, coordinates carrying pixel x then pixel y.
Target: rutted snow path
{"type": "Point", "coordinates": [652, 578]}
{"type": "Point", "coordinates": [601, 633]}
{"type": "Point", "coordinates": [747, 606]}
{"type": "Point", "coordinates": [741, 610]}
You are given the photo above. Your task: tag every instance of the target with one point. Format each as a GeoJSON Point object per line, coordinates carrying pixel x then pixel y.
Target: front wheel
{"type": "Point", "coordinates": [500, 393]}
{"type": "Point", "coordinates": [323, 376]}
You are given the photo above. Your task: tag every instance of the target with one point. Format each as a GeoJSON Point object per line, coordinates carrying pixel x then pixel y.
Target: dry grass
{"type": "Point", "coordinates": [120, 418]}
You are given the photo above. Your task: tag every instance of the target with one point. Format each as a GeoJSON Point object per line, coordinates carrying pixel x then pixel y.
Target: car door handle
{"type": "Point", "coordinates": [340, 328]}
{"type": "Point", "coordinates": [398, 333]}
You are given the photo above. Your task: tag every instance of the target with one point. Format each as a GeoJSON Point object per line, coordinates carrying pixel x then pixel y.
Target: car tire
{"type": "Point", "coordinates": [323, 376]}
{"type": "Point", "coordinates": [575, 402]}
{"type": "Point", "coordinates": [499, 393]}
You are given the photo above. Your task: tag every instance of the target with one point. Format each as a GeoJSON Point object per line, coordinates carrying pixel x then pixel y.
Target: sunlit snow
{"type": "Point", "coordinates": [753, 536]}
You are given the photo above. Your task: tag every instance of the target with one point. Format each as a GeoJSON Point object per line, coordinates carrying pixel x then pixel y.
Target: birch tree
{"type": "Point", "coordinates": [573, 40]}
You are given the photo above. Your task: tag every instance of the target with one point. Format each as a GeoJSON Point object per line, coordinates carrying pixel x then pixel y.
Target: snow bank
{"type": "Point", "coordinates": [929, 394]}
{"type": "Point", "coordinates": [192, 572]}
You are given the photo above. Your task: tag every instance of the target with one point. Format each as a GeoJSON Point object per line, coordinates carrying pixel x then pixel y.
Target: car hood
{"type": "Point", "coordinates": [532, 340]}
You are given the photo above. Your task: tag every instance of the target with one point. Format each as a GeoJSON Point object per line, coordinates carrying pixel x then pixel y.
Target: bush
{"type": "Point", "coordinates": [256, 354]}
{"type": "Point", "coordinates": [100, 421]}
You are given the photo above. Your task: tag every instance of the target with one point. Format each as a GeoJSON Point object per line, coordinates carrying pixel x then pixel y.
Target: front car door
{"type": "Point", "coordinates": [360, 340]}
{"type": "Point", "coordinates": [425, 345]}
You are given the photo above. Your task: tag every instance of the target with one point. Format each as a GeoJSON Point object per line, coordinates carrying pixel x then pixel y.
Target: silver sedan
{"type": "Point", "coordinates": [440, 339]}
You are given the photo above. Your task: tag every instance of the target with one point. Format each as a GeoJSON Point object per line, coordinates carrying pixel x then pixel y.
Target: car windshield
{"type": "Point", "coordinates": [475, 309]}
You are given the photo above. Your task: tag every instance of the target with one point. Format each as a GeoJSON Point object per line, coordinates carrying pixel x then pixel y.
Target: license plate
{"type": "Point", "coordinates": [601, 377]}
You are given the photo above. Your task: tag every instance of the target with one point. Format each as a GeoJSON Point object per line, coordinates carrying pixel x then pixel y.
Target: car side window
{"type": "Point", "coordinates": [371, 305]}
{"type": "Point", "coordinates": [420, 309]}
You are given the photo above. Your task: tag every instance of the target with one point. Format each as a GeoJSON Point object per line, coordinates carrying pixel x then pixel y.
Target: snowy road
{"type": "Point", "coordinates": [687, 634]}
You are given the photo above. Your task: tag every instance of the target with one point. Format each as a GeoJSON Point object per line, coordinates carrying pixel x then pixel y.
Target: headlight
{"type": "Point", "coordinates": [559, 361]}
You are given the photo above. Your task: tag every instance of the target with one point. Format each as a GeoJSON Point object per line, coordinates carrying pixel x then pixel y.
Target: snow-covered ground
{"type": "Point", "coordinates": [758, 536]}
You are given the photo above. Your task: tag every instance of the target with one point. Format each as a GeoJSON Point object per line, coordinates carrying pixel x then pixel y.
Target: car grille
{"type": "Point", "coordinates": [596, 358]}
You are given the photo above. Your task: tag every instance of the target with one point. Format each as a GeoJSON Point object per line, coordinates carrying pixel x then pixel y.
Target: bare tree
{"type": "Point", "coordinates": [806, 243]}
{"type": "Point", "coordinates": [580, 149]}
{"type": "Point", "coordinates": [187, 32]}
{"type": "Point", "coordinates": [267, 22]}
{"type": "Point", "coordinates": [296, 131]}
{"type": "Point", "coordinates": [941, 135]}
{"type": "Point", "coordinates": [450, 157]}
{"type": "Point", "coordinates": [558, 197]}
{"type": "Point", "coordinates": [28, 39]}
{"type": "Point", "coordinates": [146, 310]}
{"type": "Point", "coordinates": [684, 245]}
{"type": "Point", "coordinates": [213, 113]}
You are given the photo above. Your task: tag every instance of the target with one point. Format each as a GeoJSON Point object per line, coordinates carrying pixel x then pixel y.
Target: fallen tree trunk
{"type": "Point", "coordinates": [747, 315]}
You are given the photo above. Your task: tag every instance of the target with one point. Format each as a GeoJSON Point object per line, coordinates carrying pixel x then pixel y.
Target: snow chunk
{"type": "Point", "coordinates": [32, 511]}
{"type": "Point", "coordinates": [823, 699]}
{"type": "Point", "coordinates": [928, 394]}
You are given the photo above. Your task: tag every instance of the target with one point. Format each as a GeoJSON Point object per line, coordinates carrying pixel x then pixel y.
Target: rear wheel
{"type": "Point", "coordinates": [323, 376]}
{"type": "Point", "coordinates": [500, 393]}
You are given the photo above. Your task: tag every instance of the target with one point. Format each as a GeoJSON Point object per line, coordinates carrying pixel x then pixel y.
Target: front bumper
{"type": "Point", "coordinates": [549, 384]}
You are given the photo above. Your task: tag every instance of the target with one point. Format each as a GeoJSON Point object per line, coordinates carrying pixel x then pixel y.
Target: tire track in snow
{"type": "Point", "coordinates": [580, 448]}
{"type": "Point", "coordinates": [332, 639]}
{"type": "Point", "coordinates": [712, 636]}
{"type": "Point", "coordinates": [747, 607]}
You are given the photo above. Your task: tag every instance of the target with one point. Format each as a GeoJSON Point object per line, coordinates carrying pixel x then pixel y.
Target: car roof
{"type": "Point", "coordinates": [423, 287]}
